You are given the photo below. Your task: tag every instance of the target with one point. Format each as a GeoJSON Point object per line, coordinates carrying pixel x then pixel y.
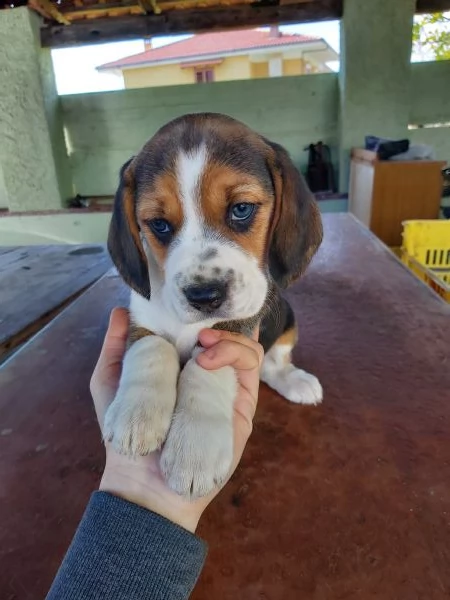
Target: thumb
{"type": "Point", "coordinates": [106, 375]}
{"type": "Point", "coordinates": [115, 340]}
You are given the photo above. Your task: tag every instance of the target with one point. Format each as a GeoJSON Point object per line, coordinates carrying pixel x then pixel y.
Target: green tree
{"type": "Point", "coordinates": [431, 36]}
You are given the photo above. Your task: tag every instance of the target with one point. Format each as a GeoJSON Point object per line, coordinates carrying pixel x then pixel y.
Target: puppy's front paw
{"type": "Point", "coordinates": [137, 422]}
{"type": "Point", "coordinates": [139, 418]}
{"type": "Point", "coordinates": [197, 456]}
{"type": "Point", "coordinates": [198, 452]}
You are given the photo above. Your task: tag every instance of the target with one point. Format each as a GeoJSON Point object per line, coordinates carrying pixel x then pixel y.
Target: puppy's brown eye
{"type": "Point", "coordinates": [162, 229]}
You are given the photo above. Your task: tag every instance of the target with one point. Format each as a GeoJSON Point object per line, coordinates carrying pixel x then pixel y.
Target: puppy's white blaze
{"type": "Point", "coordinates": [189, 168]}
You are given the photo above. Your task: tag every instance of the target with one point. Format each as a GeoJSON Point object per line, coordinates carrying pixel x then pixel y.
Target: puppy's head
{"type": "Point", "coordinates": [210, 212]}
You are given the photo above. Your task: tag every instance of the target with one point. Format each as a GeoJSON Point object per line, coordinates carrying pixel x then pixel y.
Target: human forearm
{"type": "Point", "coordinates": [124, 551]}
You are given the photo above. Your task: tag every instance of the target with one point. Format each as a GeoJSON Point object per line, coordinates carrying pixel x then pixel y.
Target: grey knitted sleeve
{"type": "Point", "coordinates": [124, 552]}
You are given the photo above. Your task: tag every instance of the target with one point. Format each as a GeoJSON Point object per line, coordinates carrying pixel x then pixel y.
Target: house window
{"type": "Point", "coordinates": [204, 75]}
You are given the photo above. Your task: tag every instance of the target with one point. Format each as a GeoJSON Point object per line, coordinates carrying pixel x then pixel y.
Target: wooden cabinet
{"type": "Point", "coordinates": [385, 193]}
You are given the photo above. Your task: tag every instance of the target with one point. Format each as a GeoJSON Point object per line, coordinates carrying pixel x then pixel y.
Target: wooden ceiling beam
{"type": "Point", "coordinates": [106, 29]}
{"type": "Point", "coordinates": [432, 6]}
{"type": "Point", "coordinates": [101, 30]}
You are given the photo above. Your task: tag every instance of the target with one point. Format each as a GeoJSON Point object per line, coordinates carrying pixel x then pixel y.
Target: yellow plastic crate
{"type": "Point", "coordinates": [426, 251]}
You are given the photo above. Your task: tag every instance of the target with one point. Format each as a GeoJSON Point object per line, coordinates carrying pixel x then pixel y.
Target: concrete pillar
{"type": "Point", "coordinates": [4, 200]}
{"type": "Point", "coordinates": [33, 156]}
{"type": "Point", "coordinates": [376, 39]}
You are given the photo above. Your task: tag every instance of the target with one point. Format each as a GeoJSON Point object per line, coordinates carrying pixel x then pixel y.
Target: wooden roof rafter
{"type": "Point", "coordinates": [75, 10]}
{"type": "Point", "coordinates": [74, 22]}
{"type": "Point", "coordinates": [49, 10]}
{"type": "Point", "coordinates": [150, 6]}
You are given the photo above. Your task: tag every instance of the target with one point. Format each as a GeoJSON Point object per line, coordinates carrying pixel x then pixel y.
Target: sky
{"type": "Point", "coordinates": [75, 68]}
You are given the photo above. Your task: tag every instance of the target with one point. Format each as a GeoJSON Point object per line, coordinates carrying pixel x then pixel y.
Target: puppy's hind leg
{"type": "Point", "coordinates": [280, 374]}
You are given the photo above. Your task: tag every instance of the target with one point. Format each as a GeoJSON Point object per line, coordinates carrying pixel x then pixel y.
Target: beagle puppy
{"type": "Point", "coordinates": [210, 221]}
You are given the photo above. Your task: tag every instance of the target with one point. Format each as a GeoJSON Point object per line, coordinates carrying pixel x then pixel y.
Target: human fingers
{"type": "Point", "coordinates": [241, 355]}
{"type": "Point", "coordinates": [209, 338]}
{"type": "Point", "coordinates": [245, 359]}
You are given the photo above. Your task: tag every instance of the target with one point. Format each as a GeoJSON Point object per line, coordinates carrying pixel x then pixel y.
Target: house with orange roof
{"type": "Point", "coordinates": [224, 56]}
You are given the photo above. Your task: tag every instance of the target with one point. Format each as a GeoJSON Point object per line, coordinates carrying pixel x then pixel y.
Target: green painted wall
{"type": "Point", "coordinates": [374, 79]}
{"type": "Point", "coordinates": [438, 138]}
{"type": "Point", "coordinates": [430, 92]}
{"type": "Point", "coordinates": [430, 103]}
{"type": "Point", "coordinates": [4, 198]}
{"type": "Point", "coordinates": [27, 102]}
{"type": "Point", "coordinates": [105, 129]}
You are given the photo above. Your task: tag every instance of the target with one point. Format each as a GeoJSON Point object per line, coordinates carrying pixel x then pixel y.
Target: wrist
{"type": "Point", "coordinates": [156, 498]}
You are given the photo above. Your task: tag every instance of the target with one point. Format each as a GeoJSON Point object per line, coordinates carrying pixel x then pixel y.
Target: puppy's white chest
{"type": "Point", "coordinates": [186, 341]}
{"type": "Point", "coordinates": [162, 321]}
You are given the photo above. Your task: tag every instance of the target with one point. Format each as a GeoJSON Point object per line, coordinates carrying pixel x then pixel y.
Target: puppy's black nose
{"type": "Point", "coordinates": [206, 297]}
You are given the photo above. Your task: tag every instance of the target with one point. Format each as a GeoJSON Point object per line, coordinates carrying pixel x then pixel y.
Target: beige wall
{"type": "Point", "coordinates": [161, 75]}
{"type": "Point", "coordinates": [230, 69]}
{"type": "Point", "coordinates": [293, 66]}
{"type": "Point", "coordinates": [260, 69]}
{"type": "Point", "coordinates": [233, 68]}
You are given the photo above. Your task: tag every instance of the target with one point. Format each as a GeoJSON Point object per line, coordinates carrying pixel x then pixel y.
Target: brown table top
{"type": "Point", "coordinates": [347, 500]}
{"type": "Point", "coordinates": [36, 282]}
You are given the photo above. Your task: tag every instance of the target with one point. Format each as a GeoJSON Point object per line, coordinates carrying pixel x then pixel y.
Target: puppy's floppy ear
{"type": "Point", "coordinates": [124, 242]}
{"type": "Point", "coordinates": [297, 227]}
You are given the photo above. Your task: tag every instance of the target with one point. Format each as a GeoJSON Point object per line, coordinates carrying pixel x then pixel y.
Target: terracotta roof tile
{"type": "Point", "coordinates": [210, 43]}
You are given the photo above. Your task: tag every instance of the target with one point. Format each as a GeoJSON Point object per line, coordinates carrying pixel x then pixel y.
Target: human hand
{"type": "Point", "coordinates": [138, 479]}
